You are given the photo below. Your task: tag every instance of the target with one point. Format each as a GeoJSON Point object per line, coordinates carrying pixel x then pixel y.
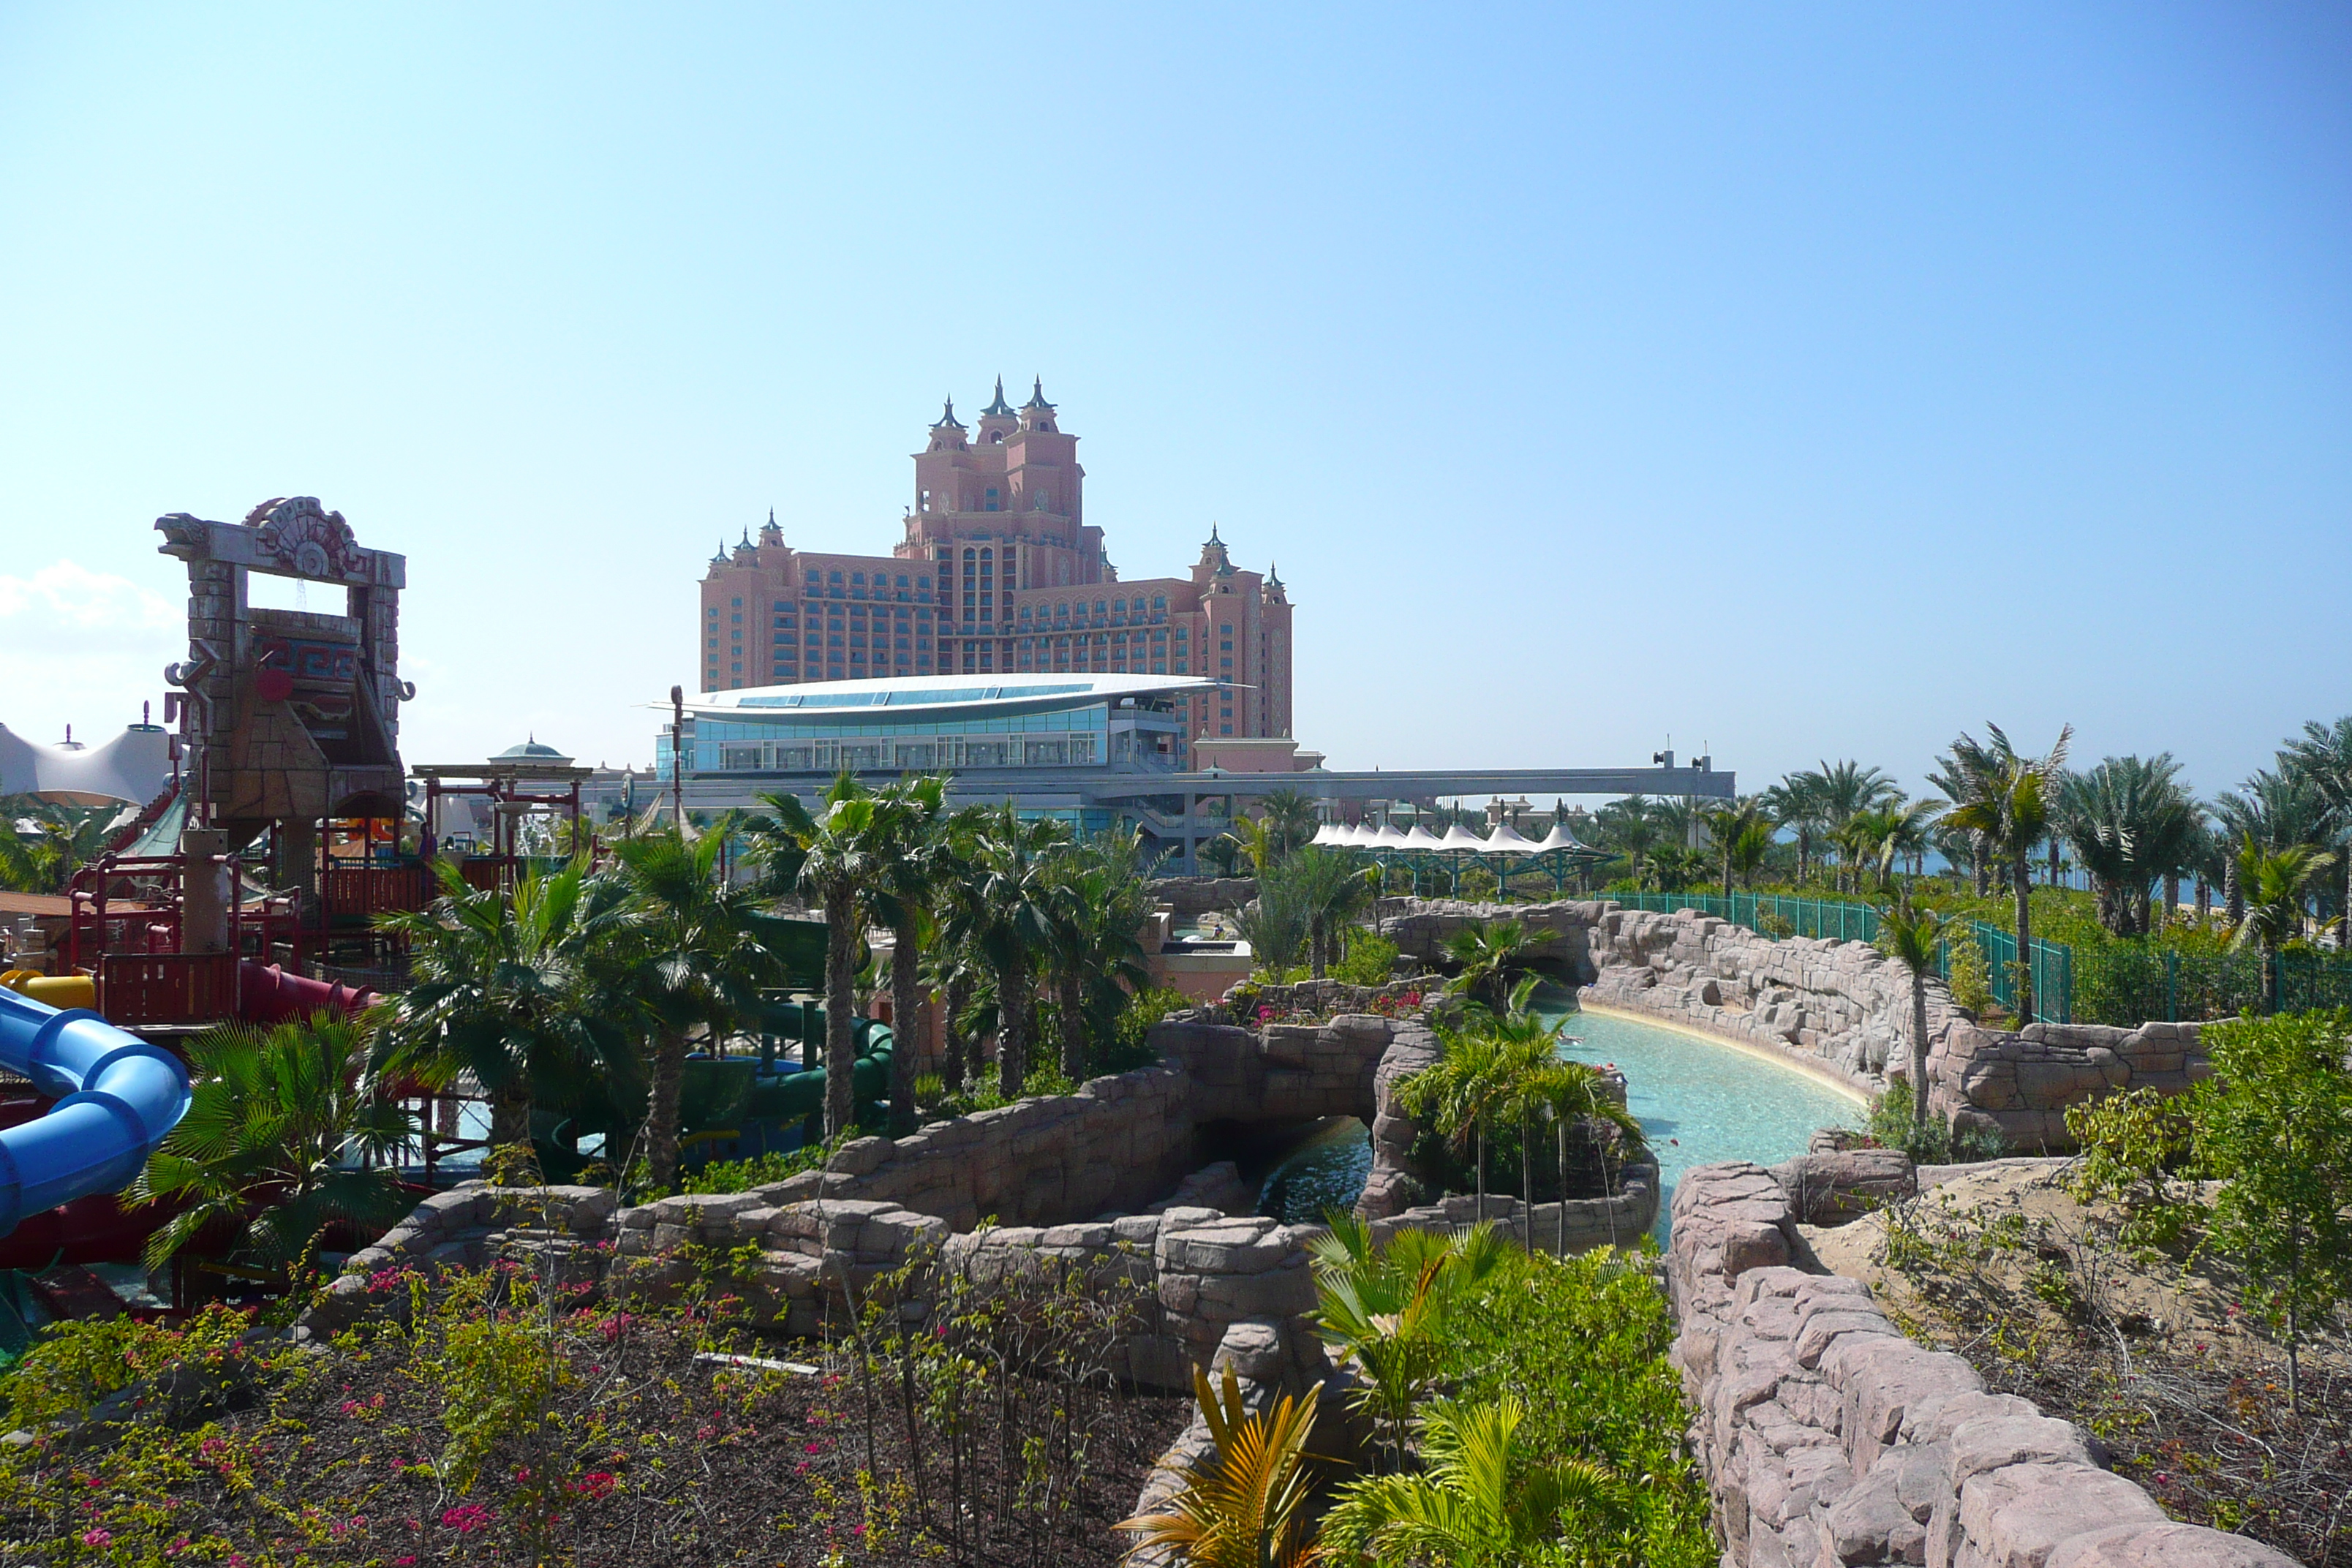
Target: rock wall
{"type": "Point", "coordinates": [1191, 896]}
{"type": "Point", "coordinates": [1835, 1007]}
{"type": "Point", "coordinates": [1828, 1438]}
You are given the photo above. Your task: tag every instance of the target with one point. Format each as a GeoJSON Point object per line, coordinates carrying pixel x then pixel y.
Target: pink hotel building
{"type": "Point", "coordinates": [999, 573]}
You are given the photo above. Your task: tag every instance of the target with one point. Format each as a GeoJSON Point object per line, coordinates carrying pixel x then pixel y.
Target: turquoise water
{"type": "Point", "coordinates": [1699, 1100]}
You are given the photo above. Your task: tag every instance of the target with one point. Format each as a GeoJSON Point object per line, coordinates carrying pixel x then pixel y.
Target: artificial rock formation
{"type": "Point", "coordinates": [1830, 1439]}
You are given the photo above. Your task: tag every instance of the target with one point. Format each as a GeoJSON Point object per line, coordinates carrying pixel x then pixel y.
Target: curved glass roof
{"type": "Point", "coordinates": [908, 693]}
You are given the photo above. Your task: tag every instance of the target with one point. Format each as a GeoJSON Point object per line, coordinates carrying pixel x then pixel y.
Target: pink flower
{"type": "Point", "coordinates": [468, 1519]}
{"type": "Point", "coordinates": [811, 1447]}
{"type": "Point", "coordinates": [96, 1538]}
{"type": "Point", "coordinates": [407, 1561]}
{"type": "Point", "coordinates": [595, 1484]}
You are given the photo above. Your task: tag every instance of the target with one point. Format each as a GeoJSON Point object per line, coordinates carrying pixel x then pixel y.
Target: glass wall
{"type": "Point", "coordinates": [1074, 737]}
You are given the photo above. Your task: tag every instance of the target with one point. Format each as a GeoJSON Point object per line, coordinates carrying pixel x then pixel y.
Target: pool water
{"type": "Point", "coordinates": [1699, 1100]}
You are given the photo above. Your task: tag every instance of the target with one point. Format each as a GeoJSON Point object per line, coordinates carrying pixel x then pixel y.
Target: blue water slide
{"type": "Point", "coordinates": [117, 1096]}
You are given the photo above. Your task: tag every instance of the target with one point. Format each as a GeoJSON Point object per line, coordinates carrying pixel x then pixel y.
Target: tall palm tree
{"type": "Point", "coordinates": [1627, 826]}
{"type": "Point", "coordinates": [1796, 802]}
{"type": "Point", "coordinates": [1477, 1499]}
{"type": "Point", "coordinates": [701, 945]}
{"type": "Point", "coordinates": [43, 843]}
{"type": "Point", "coordinates": [1844, 790]}
{"type": "Point", "coordinates": [1007, 918]}
{"type": "Point", "coordinates": [1473, 1088]}
{"type": "Point", "coordinates": [1256, 842]}
{"type": "Point", "coordinates": [839, 857]}
{"type": "Point", "coordinates": [1885, 835]}
{"type": "Point", "coordinates": [2275, 882]}
{"type": "Point", "coordinates": [1911, 938]}
{"type": "Point", "coordinates": [1097, 901]}
{"type": "Point", "coordinates": [2323, 759]}
{"type": "Point", "coordinates": [505, 988]}
{"type": "Point", "coordinates": [1290, 819]}
{"type": "Point", "coordinates": [1726, 824]}
{"type": "Point", "coordinates": [283, 1138]}
{"type": "Point", "coordinates": [911, 851]}
{"type": "Point", "coordinates": [2009, 799]}
{"type": "Point", "coordinates": [1493, 956]}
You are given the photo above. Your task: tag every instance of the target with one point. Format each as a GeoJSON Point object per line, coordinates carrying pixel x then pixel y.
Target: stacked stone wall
{"type": "Point", "coordinates": [1830, 1439]}
{"type": "Point", "coordinates": [1192, 896]}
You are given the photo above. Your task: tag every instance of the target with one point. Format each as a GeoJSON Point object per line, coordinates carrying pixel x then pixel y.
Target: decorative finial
{"type": "Point", "coordinates": [948, 420]}
{"type": "Point", "coordinates": [1037, 396]}
{"type": "Point", "coordinates": [998, 406]}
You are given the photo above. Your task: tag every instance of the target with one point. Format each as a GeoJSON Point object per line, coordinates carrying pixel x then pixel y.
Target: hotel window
{"type": "Point", "coordinates": [737, 668]}
{"type": "Point", "coordinates": [739, 604]}
{"type": "Point", "coordinates": [738, 618]}
{"type": "Point", "coordinates": [714, 642]}
{"type": "Point", "coordinates": [1224, 729]}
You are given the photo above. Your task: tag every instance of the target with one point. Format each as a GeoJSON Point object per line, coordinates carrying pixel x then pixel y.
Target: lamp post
{"type": "Point", "coordinates": [677, 759]}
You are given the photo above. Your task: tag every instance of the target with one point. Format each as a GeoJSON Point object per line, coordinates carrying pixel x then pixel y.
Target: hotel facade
{"type": "Point", "coordinates": [999, 573]}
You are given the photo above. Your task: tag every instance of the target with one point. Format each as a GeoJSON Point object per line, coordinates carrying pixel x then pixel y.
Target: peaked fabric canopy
{"type": "Point", "coordinates": [1508, 840]}
{"type": "Point", "coordinates": [1422, 839]}
{"type": "Point", "coordinates": [1559, 837]}
{"type": "Point", "coordinates": [1391, 836]}
{"type": "Point", "coordinates": [1460, 837]}
{"type": "Point", "coordinates": [1329, 833]}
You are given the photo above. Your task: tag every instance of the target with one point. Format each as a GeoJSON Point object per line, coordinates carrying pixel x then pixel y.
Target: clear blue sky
{"type": "Point", "coordinates": [1802, 383]}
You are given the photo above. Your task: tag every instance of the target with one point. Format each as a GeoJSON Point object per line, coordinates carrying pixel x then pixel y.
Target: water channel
{"type": "Point", "coordinates": [1700, 1099]}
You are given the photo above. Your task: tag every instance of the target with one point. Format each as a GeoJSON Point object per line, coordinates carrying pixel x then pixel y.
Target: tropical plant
{"type": "Point", "coordinates": [1256, 842]}
{"type": "Point", "coordinates": [700, 951]}
{"type": "Point", "coordinates": [1276, 923]}
{"type": "Point", "coordinates": [2130, 822]}
{"type": "Point", "coordinates": [911, 850]}
{"type": "Point", "coordinates": [1386, 1307]}
{"type": "Point", "coordinates": [1492, 955]}
{"type": "Point", "coordinates": [1332, 887]}
{"type": "Point", "coordinates": [1569, 1094]}
{"type": "Point", "coordinates": [43, 843]}
{"type": "Point", "coordinates": [1883, 835]}
{"type": "Point", "coordinates": [2007, 798]}
{"type": "Point", "coordinates": [506, 988]}
{"type": "Point", "coordinates": [1481, 1501]}
{"type": "Point", "coordinates": [1245, 1505]}
{"type": "Point", "coordinates": [835, 857]}
{"type": "Point", "coordinates": [283, 1138]}
{"type": "Point", "coordinates": [1628, 826]}
{"type": "Point", "coordinates": [1290, 819]}
{"type": "Point", "coordinates": [1842, 790]}
{"type": "Point", "coordinates": [1474, 1087]}
{"type": "Point", "coordinates": [1795, 803]}
{"type": "Point", "coordinates": [1098, 901]}
{"type": "Point", "coordinates": [1675, 868]}
{"type": "Point", "coordinates": [2321, 759]}
{"type": "Point", "coordinates": [1910, 937]}
{"type": "Point", "coordinates": [2275, 885]}
{"type": "Point", "coordinates": [1726, 825]}
{"type": "Point", "coordinates": [1006, 917]}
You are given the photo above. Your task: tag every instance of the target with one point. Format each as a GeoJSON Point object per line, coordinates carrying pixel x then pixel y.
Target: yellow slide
{"type": "Point", "coordinates": [59, 991]}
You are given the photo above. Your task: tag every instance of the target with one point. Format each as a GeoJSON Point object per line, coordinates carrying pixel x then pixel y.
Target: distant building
{"type": "Point", "coordinates": [999, 573]}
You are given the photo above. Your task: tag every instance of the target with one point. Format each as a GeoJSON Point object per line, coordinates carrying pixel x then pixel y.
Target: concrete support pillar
{"type": "Point", "coordinates": [298, 861]}
{"type": "Point", "coordinates": [208, 891]}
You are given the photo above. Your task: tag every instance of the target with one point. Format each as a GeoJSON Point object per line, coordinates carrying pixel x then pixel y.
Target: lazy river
{"type": "Point", "coordinates": [1700, 1099]}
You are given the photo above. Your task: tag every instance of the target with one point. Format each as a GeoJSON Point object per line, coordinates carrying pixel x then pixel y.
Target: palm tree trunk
{"type": "Point", "coordinates": [1480, 1211]}
{"type": "Point", "coordinates": [1012, 1029]}
{"type": "Point", "coordinates": [511, 1114]}
{"type": "Point", "coordinates": [1560, 1236]}
{"type": "Point", "coordinates": [951, 1064]}
{"type": "Point", "coordinates": [1919, 1049]}
{"type": "Point", "coordinates": [1068, 995]}
{"type": "Point", "coordinates": [1804, 852]}
{"type": "Point", "coordinates": [2024, 941]}
{"type": "Point", "coordinates": [840, 1026]}
{"type": "Point", "coordinates": [906, 1007]}
{"type": "Point", "coordinates": [1527, 1181]}
{"type": "Point", "coordinates": [661, 1113]}
{"type": "Point", "coordinates": [1979, 870]}
{"type": "Point", "coordinates": [1318, 946]}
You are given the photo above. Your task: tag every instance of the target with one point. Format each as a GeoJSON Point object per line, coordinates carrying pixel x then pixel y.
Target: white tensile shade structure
{"type": "Point", "coordinates": [1508, 840]}
{"type": "Point", "coordinates": [1460, 837]}
{"type": "Point", "coordinates": [1329, 833]}
{"type": "Point", "coordinates": [1421, 838]}
{"type": "Point", "coordinates": [1391, 836]}
{"type": "Point", "coordinates": [1559, 837]}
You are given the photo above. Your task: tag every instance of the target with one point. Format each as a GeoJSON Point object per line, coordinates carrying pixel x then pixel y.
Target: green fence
{"type": "Point", "coordinates": [2129, 984]}
{"type": "Point", "coordinates": [1835, 920]}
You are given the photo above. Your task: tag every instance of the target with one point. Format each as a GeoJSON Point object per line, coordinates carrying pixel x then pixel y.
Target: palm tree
{"type": "Point", "coordinates": [1290, 819]}
{"type": "Point", "coordinates": [1246, 1505]}
{"type": "Point", "coordinates": [2321, 759]}
{"type": "Point", "coordinates": [702, 949]}
{"type": "Point", "coordinates": [911, 851]}
{"type": "Point", "coordinates": [2275, 882]}
{"type": "Point", "coordinates": [1492, 955]}
{"type": "Point", "coordinates": [283, 1138]}
{"type": "Point", "coordinates": [1567, 1094]}
{"type": "Point", "coordinates": [1387, 1309]}
{"type": "Point", "coordinates": [1911, 938]}
{"type": "Point", "coordinates": [1333, 886]}
{"type": "Point", "coordinates": [1843, 791]}
{"type": "Point", "coordinates": [1097, 901]}
{"type": "Point", "coordinates": [1007, 918]}
{"type": "Point", "coordinates": [2129, 823]}
{"type": "Point", "coordinates": [2008, 799]}
{"type": "Point", "coordinates": [1628, 825]}
{"type": "Point", "coordinates": [837, 858]}
{"type": "Point", "coordinates": [505, 988]}
{"type": "Point", "coordinates": [1474, 1087]}
{"type": "Point", "coordinates": [1725, 824]}
{"type": "Point", "coordinates": [1884, 835]}
{"type": "Point", "coordinates": [1276, 923]}
{"type": "Point", "coordinates": [1478, 1500]}
{"type": "Point", "coordinates": [1796, 802]}
{"type": "Point", "coordinates": [1255, 841]}
{"type": "Point", "coordinates": [43, 843]}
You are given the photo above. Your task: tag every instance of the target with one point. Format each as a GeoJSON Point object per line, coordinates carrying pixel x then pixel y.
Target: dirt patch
{"type": "Point", "coordinates": [2151, 1354]}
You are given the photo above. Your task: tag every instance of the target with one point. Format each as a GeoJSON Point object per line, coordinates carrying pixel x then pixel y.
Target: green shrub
{"type": "Point", "coordinates": [1970, 979]}
{"type": "Point", "coordinates": [1370, 960]}
{"type": "Point", "coordinates": [1935, 1143]}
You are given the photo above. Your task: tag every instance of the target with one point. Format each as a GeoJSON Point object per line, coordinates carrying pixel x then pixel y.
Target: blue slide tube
{"type": "Point", "coordinates": [117, 1097]}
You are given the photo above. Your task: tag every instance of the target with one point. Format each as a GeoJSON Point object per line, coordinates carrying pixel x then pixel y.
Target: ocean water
{"type": "Point", "coordinates": [1699, 1100]}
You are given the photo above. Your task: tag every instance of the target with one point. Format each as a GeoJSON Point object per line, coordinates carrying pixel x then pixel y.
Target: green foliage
{"type": "Point", "coordinates": [2133, 1144]}
{"type": "Point", "coordinates": [2275, 1125]}
{"type": "Point", "coordinates": [75, 1363]}
{"type": "Point", "coordinates": [1370, 960]}
{"type": "Point", "coordinates": [1969, 977]}
{"type": "Point", "coordinates": [1245, 1504]}
{"type": "Point", "coordinates": [1130, 1046]}
{"type": "Point", "coordinates": [1582, 1343]}
{"type": "Point", "coordinates": [1933, 1142]}
{"type": "Point", "coordinates": [760, 1170]}
{"type": "Point", "coordinates": [43, 843]}
{"type": "Point", "coordinates": [1388, 1309]}
{"type": "Point", "coordinates": [1492, 956]}
{"type": "Point", "coordinates": [281, 1139]}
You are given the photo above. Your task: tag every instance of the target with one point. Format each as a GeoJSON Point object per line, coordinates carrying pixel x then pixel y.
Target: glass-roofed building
{"type": "Point", "coordinates": [1037, 740]}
